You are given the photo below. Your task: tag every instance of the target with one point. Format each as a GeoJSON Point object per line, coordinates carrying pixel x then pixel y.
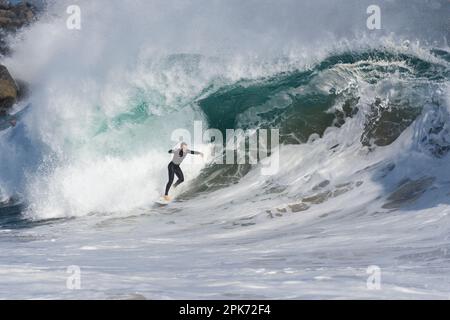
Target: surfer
{"type": "Point", "coordinates": [179, 155]}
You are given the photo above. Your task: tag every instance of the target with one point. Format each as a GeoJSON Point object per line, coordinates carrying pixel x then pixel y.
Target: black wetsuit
{"type": "Point", "coordinates": [174, 167]}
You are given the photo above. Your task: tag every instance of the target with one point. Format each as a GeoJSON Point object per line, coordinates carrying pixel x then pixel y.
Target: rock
{"type": "Point", "coordinates": [4, 3]}
{"type": "Point", "coordinates": [340, 192]}
{"type": "Point", "coordinates": [8, 90]}
{"type": "Point", "coordinates": [298, 207]}
{"type": "Point", "coordinates": [16, 15]}
{"type": "Point", "coordinates": [7, 14]}
{"type": "Point", "coordinates": [318, 198]}
{"type": "Point", "coordinates": [3, 47]}
{"type": "Point", "coordinates": [12, 18]}
{"type": "Point", "coordinates": [23, 91]}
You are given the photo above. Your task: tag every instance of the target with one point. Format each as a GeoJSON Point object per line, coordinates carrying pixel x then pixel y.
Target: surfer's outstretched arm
{"type": "Point", "coordinates": [195, 152]}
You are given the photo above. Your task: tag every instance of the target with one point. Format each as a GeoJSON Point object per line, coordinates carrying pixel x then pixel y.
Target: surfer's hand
{"type": "Point", "coordinates": [13, 122]}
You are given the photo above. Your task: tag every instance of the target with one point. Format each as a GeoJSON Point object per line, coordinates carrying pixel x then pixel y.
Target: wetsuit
{"type": "Point", "coordinates": [174, 167]}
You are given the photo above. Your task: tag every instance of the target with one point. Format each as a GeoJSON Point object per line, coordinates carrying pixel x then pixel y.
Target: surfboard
{"type": "Point", "coordinates": [162, 202]}
{"type": "Point", "coordinates": [5, 122]}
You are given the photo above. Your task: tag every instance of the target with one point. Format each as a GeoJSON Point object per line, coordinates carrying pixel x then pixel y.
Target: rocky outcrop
{"type": "Point", "coordinates": [12, 18]}
{"type": "Point", "coordinates": [8, 90]}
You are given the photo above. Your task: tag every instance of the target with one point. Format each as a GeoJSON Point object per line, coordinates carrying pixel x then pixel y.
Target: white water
{"type": "Point", "coordinates": [225, 244]}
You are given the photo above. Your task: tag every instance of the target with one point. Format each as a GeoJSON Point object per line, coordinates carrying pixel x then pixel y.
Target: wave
{"type": "Point", "coordinates": [299, 102]}
{"type": "Point", "coordinates": [374, 95]}
{"type": "Point", "coordinates": [385, 91]}
{"type": "Point", "coordinates": [102, 120]}
{"type": "Point", "coordinates": [363, 175]}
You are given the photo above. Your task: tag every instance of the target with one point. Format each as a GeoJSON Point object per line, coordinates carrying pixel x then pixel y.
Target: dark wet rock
{"type": "Point", "coordinates": [341, 191]}
{"type": "Point", "coordinates": [408, 192]}
{"type": "Point", "coordinates": [298, 207]}
{"type": "Point", "coordinates": [8, 90]}
{"type": "Point", "coordinates": [318, 198]}
{"type": "Point", "coordinates": [23, 90]}
{"type": "Point", "coordinates": [305, 203]}
{"type": "Point", "coordinates": [345, 187]}
{"type": "Point", "coordinates": [13, 18]}
{"type": "Point", "coordinates": [290, 208]}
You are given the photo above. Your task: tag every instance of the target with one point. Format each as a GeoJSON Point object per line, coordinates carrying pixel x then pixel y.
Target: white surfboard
{"type": "Point", "coordinates": [163, 202]}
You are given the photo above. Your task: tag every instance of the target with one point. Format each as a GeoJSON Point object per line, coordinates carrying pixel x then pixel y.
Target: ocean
{"type": "Point", "coordinates": [363, 181]}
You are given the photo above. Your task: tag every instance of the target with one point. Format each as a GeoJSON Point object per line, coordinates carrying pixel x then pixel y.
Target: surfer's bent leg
{"type": "Point", "coordinates": [171, 176]}
{"type": "Point", "coordinates": [180, 176]}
